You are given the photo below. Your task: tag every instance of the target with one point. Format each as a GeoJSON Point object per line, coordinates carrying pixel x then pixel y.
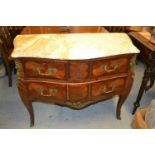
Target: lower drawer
{"type": "Point", "coordinates": [75, 92]}
{"type": "Point", "coordinates": [107, 87]}
{"type": "Point", "coordinates": [47, 90]}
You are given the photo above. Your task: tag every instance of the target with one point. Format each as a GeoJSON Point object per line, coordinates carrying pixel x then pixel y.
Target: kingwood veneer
{"type": "Point", "coordinates": [60, 78]}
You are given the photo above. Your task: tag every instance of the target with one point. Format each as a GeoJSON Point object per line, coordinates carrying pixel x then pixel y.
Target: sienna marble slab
{"type": "Point", "coordinates": [73, 46]}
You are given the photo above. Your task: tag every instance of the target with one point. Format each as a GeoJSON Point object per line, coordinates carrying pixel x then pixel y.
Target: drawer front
{"type": "Point", "coordinates": [42, 89]}
{"type": "Point", "coordinates": [78, 92]}
{"type": "Point", "coordinates": [108, 87]}
{"type": "Point", "coordinates": [55, 70]}
{"type": "Point", "coordinates": [79, 71]}
{"type": "Point", "coordinates": [107, 67]}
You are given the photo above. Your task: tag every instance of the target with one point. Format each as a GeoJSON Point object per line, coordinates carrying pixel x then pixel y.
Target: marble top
{"type": "Point", "coordinates": [72, 46]}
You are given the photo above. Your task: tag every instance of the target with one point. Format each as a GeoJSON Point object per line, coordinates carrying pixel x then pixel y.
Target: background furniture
{"type": "Point", "coordinates": [117, 28]}
{"type": "Point", "coordinates": [6, 50]}
{"type": "Point", "coordinates": [124, 28]}
{"type": "Point", "coordinates": [138, 121]}
{"type": "Point", "coordinates": [62, 29]}
{"type": "Point", "coordinates": [15, 30]}
{"type": "Point", "coordinates": [86, 29]}
{"type": "Point", "coordinates": [44, 29]}
{"type": "Point", "coordinates": [147, 55]}
{"type": "Point", "coordinates": [73, 82]}
{"type": "Point", "coordinates": [145, 118]}
{"type": "Point", "coordinates": [7, 34]}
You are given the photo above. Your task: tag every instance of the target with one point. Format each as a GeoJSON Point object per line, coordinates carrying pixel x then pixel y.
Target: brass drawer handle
{"type": "Point", "coordinates": [50, 71]}
{"type": "Point", "coordinates": [103, 89]}
{"type": "Point", "coordinates": [52, 92]}
{"type": "Point", "coordinates": [105, 68]}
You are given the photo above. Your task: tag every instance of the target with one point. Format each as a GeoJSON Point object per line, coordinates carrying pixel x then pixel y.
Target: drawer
{"type": "Point", "coordinates": [108, 87]}
{"type": "Point", "coordinates": [78, 92]}
{"type": "Point", "coordinates": [47, 90]}
{"type": "Point", "coordinates": [107, 67]}
{"type": "Point", "coordinates": [36, 69]}
{"type": "Point", "coordinates": [78, 71]}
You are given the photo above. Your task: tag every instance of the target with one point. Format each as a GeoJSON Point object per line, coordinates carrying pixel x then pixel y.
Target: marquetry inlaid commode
{"type": "Point", "coordinates": [74, 70]}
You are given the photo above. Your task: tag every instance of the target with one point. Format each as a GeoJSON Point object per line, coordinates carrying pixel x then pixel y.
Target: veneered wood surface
{"type": "Point", "coordinates": [76, 83]}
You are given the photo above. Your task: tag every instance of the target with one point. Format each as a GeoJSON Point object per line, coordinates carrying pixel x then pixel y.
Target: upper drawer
{"type": "Point", "coordinates": [107, 67]}
{"type": "Point", "coordinates": [55, 70]}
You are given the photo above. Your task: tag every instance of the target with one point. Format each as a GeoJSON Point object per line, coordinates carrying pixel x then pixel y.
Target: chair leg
{"type": "Point", "coordinates": [5, 65]}
{"type": "Point", "coordinates": [9, 71]}
{"type": "Point", "coordinates": [15, 70]}
{"type": "Point", "coordinates": [6, 71]}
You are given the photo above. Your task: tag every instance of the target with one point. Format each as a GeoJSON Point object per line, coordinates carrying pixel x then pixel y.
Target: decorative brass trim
{"type": "Point", "coordinates": [78, 104]}
{"type": "Point", "coordinates": [133, 60]}
{"type": "Point", "coordinates": [19, 68]}
{"type": "Point", "coordinates": [132, 63]}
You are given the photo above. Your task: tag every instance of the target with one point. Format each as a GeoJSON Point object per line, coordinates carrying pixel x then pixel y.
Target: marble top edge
{"type": "Point", "coordinates": [73, 59]}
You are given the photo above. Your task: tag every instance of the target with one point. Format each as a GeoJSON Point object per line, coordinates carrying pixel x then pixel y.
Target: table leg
{"type": "Point", "coordinates": [141, 91]}
{"type": "Point", "coordinates": [124, 95]}
{"type": "Point", "coordinates": [121, 100]}
{"type": "Point", "coordinates": [150, 85]}
{"type": "Point", "coordinates": [29, 108]}
{"type": "Point", "coordinates": [27, 102]}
